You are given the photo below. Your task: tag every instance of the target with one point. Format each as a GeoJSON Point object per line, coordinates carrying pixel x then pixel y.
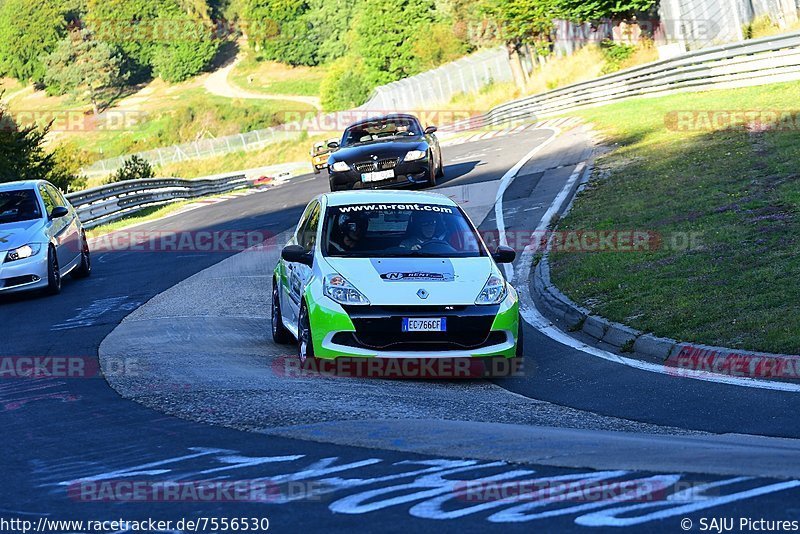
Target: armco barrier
{"type": "Point", "coordinates": [109, 202]}
{"type": "Point", "coordinates": [756, 62]}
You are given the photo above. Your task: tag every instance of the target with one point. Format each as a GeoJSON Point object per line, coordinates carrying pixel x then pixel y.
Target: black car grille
{"type": "Point", "coordinates": [373, 166]}
{"type": "Point", "coordinates": [381, 327]}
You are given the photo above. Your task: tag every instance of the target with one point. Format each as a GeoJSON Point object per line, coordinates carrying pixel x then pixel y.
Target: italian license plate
{"type": "Point", "coordinates": [414, 324]}
{"type": "Point", "coordinates": [377, 176]}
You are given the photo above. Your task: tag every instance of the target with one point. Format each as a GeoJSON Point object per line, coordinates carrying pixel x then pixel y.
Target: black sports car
{"type": "Point", "coordinates": [385, 152]}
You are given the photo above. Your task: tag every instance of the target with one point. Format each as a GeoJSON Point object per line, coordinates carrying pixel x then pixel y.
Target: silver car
{"type": "Point", "coordinates": [41, 238]}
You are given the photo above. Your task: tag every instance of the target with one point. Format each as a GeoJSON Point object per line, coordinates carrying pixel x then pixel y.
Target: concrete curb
{"type": "Point", "coordinates": [571, 317]}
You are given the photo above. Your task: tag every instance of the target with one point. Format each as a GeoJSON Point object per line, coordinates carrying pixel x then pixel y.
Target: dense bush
{"type": "Point", "coordinates": [345, 86]}
{"type": "Point", "coordinates": [133, 168]}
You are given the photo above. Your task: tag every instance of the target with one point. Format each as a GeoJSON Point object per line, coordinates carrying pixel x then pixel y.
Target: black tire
{"type": "Point", "coordinates": [316, 170]}
{"type": "Point", "coordinates": [53, 273]}
{"type": "Point", "coordinates": [280, 334]}
{"type": "Point", "coordinates": [440, 169]}
{"type": "Point", "coordinates": [84, 269]}
{"type": "Point", "coordinates": [305, 346]}
{"type": "Point", "coordinates": [432, 174]}
{"type": "Point", "coordinates": [520, 345]}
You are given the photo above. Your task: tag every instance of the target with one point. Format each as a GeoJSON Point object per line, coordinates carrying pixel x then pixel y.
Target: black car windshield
{"type": "Point", "coordinates": [387, 128]}
{"type": "Point", "coordinates": [19, 205]}
{"type": "Point", "coordinates": [399, 230]}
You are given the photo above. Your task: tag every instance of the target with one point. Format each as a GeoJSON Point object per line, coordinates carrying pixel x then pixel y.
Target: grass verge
{"type": "Point", "coordinates": [735, 191]}
{"type": "Point", "coordinates": [272, 78]}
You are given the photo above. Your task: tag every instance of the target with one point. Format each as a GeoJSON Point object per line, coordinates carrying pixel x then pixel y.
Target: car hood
{"type": "Point", "coordinates": [397, 281]}
{"type": "Point", "coordinates": [380, 149]}
{"type": "Point", "coordinates": [14, 235]}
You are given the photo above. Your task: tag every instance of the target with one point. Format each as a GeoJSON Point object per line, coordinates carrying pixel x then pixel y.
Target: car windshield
{"type": "Point", "coordinates": [368, 132]}
{"type": "Point", "coordinates": [321, 149]}
{"type": "Point", "coordinates": [19, 205]}
{"type": "Point", "coordinates": [399, 230]}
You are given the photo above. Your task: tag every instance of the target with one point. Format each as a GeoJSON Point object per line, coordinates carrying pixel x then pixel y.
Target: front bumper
{"type": "Point", "coordinates": [23, 275]}
{"type": "Point", "coordinates": [407, 174]}
{"type": "Point", "coordinates": [375, 331]}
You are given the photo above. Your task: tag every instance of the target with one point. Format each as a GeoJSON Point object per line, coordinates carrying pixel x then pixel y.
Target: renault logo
{"type": "Point", "coordinates": [422, 294]}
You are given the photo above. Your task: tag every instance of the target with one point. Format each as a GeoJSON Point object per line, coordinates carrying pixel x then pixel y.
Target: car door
{"type": "Point", "coordinates": [54, 227]}
{"type": "Point", "coordinates": [308, 240]}
{"type": "Point", "coordinates": [71, 242]}
{"type": "Point", "coordinates": [290, 290]}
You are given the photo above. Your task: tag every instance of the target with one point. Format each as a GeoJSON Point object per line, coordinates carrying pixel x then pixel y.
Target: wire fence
{"type": "Point", "coordinates": [437, 86]}
{"type": "Point", "coordinates": [683, 24]}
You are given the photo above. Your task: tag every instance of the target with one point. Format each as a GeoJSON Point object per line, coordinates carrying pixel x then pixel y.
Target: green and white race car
{"type": "Point", "coordinates": [392, 274]}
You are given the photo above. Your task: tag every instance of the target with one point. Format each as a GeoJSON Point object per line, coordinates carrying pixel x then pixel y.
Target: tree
{"type": "Point", "coordinates": [82, 65]}
{"type": "Point", "coordinates": [591, 10]}
{"type": "Point", "coordinates": [29, 29]}
{"type": "Point", "coordinates": [171, 37]}
{"type": "Point", "coordinates": [191, 47]}
{"type": "Point", "coordinates": [329, 21]}
{"type": "Point", "coordinates": [279, 31]}
{"type": "Point", "coordinates": [23, 155]}
{"type": "Point", "coordinates": [384, 35]}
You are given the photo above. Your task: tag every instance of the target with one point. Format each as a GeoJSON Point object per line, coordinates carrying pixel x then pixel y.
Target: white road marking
{"type": "Point", "coordinates": [505, 181]}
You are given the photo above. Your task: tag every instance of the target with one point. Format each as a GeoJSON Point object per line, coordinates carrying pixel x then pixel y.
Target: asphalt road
{"type": "Point", "coordinates": [61, 435]}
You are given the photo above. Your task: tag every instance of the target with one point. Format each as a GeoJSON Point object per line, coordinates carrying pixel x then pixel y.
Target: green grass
{"type": "Point", "coordinates": [268, 77]}
{"type": "Point", "coordinates": [736, 191]}
{"type": "Point", "coordinates": [194, 115]}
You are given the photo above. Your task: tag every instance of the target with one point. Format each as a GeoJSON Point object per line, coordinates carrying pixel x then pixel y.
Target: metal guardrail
{"type": "Point", "coordinates": [756, 62]}
{"type": "Point", "coordinates": [107, 203]}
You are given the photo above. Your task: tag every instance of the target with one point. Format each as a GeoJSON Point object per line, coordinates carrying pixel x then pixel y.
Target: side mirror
{"type": "Point", "coordinates": [58, 212]}
{"type": "Point", "coordinates": [504, 254]}
{"type": "Point", "coordinates": [297, 254]}
{"type": "Point", "coordinates": [430, 129]}
{"type": "Point", "coordinates": [333, 145]}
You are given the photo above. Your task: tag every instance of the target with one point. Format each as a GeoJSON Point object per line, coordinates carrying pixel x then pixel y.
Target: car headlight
{"type": "Point", "coordinates": [493, 292]}
{"type": "Point", "coordinates": [338, 289]}
{"type": "Point", "coordinates": [340, 166]}
{"type": "Point", "coordinates": [25, 251]}
{"type": "Point", "coordinates": [414, 155]}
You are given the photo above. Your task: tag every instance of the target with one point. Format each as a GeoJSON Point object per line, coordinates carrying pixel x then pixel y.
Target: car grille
{"type": "Point", "coordinates": [380, 327]}
{"type": "Point", "coordinates": [380, 165]}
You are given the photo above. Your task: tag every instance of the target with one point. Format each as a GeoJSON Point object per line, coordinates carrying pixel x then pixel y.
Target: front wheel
{"type": "Point", "coordinates": [305, 344]}
{"type": "Point", "coordinates": [440, 169]}
{"type": "Point", "coordinates": [280, 334]}
{"type": "Point", "coordinates": [316, 170]}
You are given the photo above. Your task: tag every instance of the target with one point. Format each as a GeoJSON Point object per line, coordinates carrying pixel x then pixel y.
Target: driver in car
{"type": "Point", "coordinates": [423, 228]}
{"type": "Point", "coordinates": [352, 229]}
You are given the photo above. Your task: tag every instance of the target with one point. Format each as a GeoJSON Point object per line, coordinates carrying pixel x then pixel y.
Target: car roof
{"type": "Point", "coordinates": [22, 184]}
{"type": "Point", "coordinates": [344, 198]}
